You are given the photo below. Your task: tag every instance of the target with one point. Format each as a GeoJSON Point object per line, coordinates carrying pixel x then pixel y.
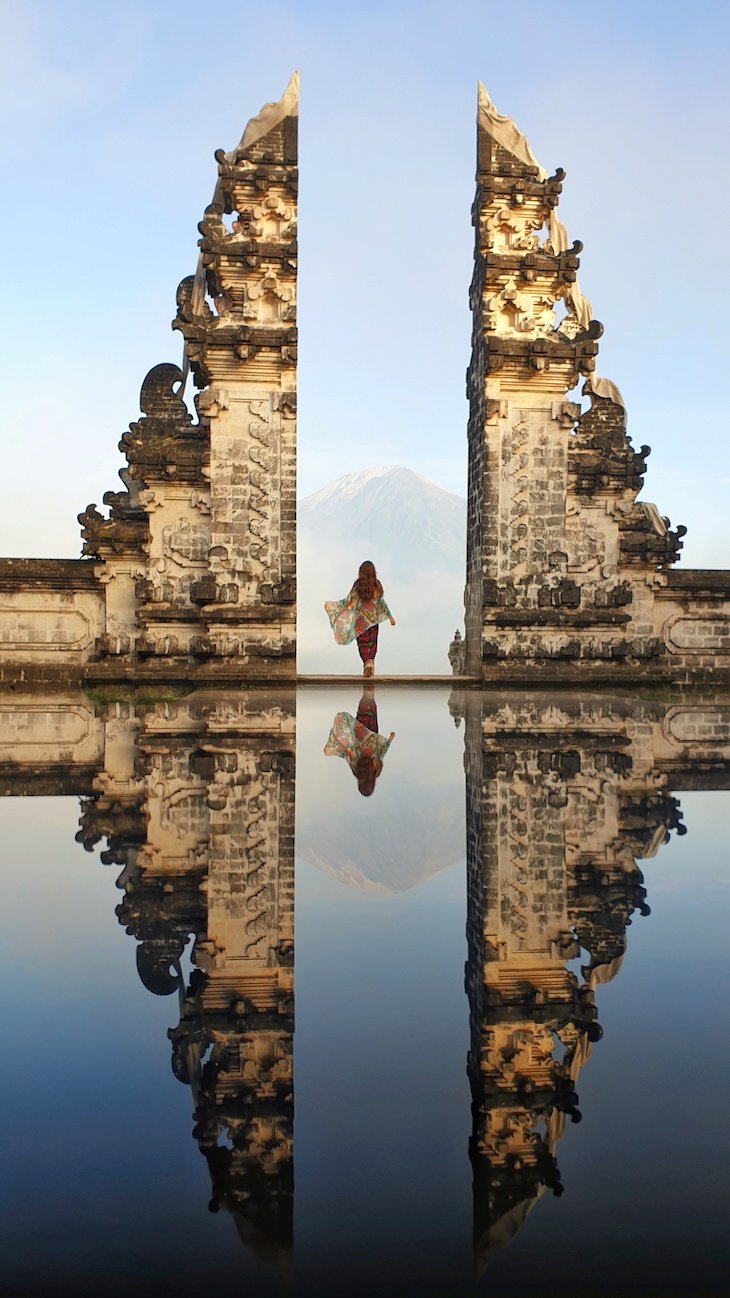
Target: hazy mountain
{"type": "Point", "coordinates": [412, 827]}
{"type": "Point", "coordinates": [384, 852]}
{"type": "Point", "coordinates": [414, 532]}
{"type": "Point", "coordinates": [418, 524]}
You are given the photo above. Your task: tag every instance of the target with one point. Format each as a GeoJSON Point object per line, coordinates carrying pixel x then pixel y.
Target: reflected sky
{"type": "Point", "coordinates": [104, 1184]}
{"type": "Point", "coordinates": [646, 1170]}
{"type": "Point", "coordinates": [414, 828]}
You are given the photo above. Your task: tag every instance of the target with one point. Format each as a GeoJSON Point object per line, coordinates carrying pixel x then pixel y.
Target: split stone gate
{"type": "Point", "coordinates": [191, 574]}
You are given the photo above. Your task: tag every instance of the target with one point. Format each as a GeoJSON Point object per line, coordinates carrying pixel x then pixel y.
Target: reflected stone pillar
{"type": "Point", "coordinates": [522, 999]}
{"type": "Point", "coordinates": [203, 825]}
{"type": "Point", "coordinates": [243, 1005]}
{"type": "Point", "coordinates": [562, 794]}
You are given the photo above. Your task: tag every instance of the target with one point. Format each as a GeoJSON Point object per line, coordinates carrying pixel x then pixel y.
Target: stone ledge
{"type": "Point", "coordinates": [715, 581]}
{"type": "Point", "coordinates": [564, 618]}
{"type": "Point", "coordinates": [53, 574]}
{"type": "Point", "coordinates": [700, 775]}
{"type": "Point", "coordinates": [47, 780]}
{"type": "Point", "coordinates": [187, 671]}
{"type": "Point", "coordinates": [149, 613]}
{"type": "Point", "coordinates": [669, 669]}
{"type": "Point", "coordinates": [245, 615]}
{"type": "Point", "coordinates": [563, 740]}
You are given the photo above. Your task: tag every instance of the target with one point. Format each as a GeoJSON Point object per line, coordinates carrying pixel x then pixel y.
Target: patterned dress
{"type": "Point", "coordinates": [355, 619]}
{"type": "Point", "coordinates": [352, 737]}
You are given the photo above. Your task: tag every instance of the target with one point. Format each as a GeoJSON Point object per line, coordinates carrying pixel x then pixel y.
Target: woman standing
{"type": "Point", "coordinates": [357, 617]}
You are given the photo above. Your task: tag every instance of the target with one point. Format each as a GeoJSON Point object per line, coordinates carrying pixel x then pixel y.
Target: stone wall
{"type": "Point", "coordinates": [49, 743]}
{"type": "Point", "coordinates": [51, 617]}
{"type": "Point", "coordinates": [692, 620]}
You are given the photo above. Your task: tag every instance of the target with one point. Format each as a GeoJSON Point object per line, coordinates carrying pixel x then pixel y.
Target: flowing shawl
{"type": "Point", "coordinates": [350, 739]}
{"type": "Point", "coordinates": [349, 617]}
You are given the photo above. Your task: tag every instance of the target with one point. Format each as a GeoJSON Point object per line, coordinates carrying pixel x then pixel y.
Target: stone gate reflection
{"type": "Point", "coordinates": [197, 806]}
{"type": "Point", "coordinates": [563, 796]}
{"type": "Point", "coordinates": [194, 800]}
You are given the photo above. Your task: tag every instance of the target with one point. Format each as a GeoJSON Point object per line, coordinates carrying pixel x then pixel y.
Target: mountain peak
{"type": "Point", "coordinates": [393, 512]}
{"type": "Point", "coordinates": [389, 479]}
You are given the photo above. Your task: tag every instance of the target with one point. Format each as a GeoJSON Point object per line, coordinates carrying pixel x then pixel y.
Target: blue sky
{"type": "Point", "coordinates": [113, 114]}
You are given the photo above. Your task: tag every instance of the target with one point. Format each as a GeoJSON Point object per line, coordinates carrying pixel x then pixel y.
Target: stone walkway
{"type": "Point", "coordinates": [450, 681]}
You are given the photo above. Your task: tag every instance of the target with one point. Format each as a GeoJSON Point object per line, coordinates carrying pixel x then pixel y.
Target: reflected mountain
{"type": "Point", "coordinates": [415, 533]}
{"type": "Point", "coordinates": [410, 826]}
{"type": "Point", "coordinates": [386, 854]}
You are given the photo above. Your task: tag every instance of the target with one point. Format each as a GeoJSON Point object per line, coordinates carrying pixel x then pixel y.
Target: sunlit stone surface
{"type": "Point", "coordinates": [569, 575]}
{"type": "Point", "coordinates": [191, 570]}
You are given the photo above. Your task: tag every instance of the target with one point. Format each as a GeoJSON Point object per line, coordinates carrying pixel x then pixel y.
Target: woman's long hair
{"type": "Point", "coordinates": [366, 771]}
{"type": "Point", "coordinates": [367, 584]}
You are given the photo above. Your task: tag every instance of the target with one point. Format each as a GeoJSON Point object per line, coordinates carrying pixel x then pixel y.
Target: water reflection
{"type": "Point", "coordinates": [201, 817]}
{"type": "Point", "coordinates": [194, 800]}
{"type": "Point", "coordinates": [357, 740]}
{"type": "Point", "coordinates": [563, 797]}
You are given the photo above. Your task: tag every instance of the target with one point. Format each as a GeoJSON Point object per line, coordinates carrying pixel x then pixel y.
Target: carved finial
{"type": "Point", "coordinates": [504, 131]}
{"type": "Point", "coordinates": [457, 654]}
{"type": "Point", "coordinates": [603, 388]}
{"type": "Point", "coordinates": [271, 114]}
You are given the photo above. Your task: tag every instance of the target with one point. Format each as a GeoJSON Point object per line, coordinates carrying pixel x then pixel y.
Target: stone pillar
{"type": "Point", "coordinates": [198, 553]}
{"type": "Point", "coordinates": [238, 318]}
{"type": "Point", "coordinates": [562, 563]}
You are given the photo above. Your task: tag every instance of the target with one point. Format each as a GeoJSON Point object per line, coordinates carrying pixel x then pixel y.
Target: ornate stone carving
{"type": "Point", "coordinates": [563, 562]}
{"type": "Point", "coordinates": [243, 349]}
{"type": "Point", "coordinates": [200, 549]}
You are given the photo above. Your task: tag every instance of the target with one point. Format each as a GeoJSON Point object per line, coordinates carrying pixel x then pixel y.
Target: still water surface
{"type": "Point", "coordinates": [380, 1129]}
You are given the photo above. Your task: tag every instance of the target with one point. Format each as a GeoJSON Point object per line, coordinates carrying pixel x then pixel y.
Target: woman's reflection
{"type": "Point", "coordinates": [357, 740]}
